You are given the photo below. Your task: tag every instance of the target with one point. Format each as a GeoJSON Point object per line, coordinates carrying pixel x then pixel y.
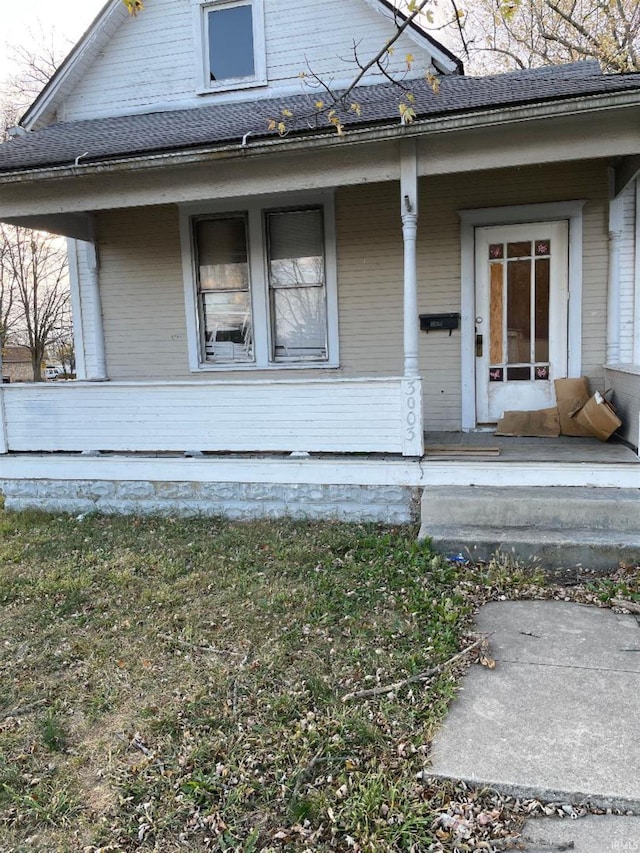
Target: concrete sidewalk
{"type": "Point", "coordinates": [590, 834]}
{"type": "Point", "coordinates": [559, 716]}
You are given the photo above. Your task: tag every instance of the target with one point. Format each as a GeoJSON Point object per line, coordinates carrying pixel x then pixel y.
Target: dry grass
{"type": "Point", "coordinates": [176, 685]}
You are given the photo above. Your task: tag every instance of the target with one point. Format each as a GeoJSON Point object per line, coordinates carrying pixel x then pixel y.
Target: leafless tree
{"type": "Point", "coordinates": [508, 34]}
{"type": "Point", "coordinates": [35, 265]}
{"type": "Point", "coordinates": [34, 292]}
{"type": "Point", "coordinates": [34, 63]}
{"type": "Point", "coordinates": [7, 296]}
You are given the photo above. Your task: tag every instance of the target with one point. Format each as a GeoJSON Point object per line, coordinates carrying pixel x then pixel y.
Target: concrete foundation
{"type": "Point", "coordinates": [389, 504]}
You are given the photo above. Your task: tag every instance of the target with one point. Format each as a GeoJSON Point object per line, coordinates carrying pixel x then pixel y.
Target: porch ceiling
{"type": "Point", "coordinates": [355, 159]}
{"type": "Point", "coordinates": [627, 170]}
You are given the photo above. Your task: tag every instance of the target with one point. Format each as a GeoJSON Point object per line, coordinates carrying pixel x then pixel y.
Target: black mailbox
{"type": "Point", "coordinates": [433, 322]}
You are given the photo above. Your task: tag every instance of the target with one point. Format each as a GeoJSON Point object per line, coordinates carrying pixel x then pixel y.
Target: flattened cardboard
{"type": "Point", "coordinates": [571, 395]}
{"type": "Point", "coordinates": [598, 417]}
{"type": "Point", "coordinates": [543, 423]}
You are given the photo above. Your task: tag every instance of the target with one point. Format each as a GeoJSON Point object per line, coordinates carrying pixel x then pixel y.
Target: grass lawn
{"type": "Point", "coordinates": [174, 685]}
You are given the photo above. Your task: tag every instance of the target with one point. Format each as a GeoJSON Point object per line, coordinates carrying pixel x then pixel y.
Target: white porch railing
{"type": "Point", "coordinates": [624, 379]}
{"type": "Point", "coordinates": [321, 415]}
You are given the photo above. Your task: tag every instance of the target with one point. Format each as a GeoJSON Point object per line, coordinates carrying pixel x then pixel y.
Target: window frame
{"type": "Point", "coordinates": [257, 241]}
{"type": "Point", "coordinates": [271, 289]}
{"type": "Point", "coordinates": [204, 85]}
{"type": "Point", "coordinates": [202, 292]}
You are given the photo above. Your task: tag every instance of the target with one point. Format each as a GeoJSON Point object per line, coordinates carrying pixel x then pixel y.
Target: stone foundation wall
{"type": "Point", "coordinates": [388, 504]}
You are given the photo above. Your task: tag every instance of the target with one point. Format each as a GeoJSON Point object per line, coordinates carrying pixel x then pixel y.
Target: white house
{"type": "Point", "coordinates": [247, 305]}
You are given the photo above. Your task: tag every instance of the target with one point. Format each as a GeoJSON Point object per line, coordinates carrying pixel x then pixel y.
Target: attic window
{"type": "Point", "coordinates": [232, 44]}
{"type": "Point", "coordinates": [230, 31]}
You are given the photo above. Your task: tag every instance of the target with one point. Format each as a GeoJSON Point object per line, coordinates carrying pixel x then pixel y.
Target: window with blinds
{"type": "Point", "coordinates": [297, 295]}
{"type": "Point", "coordinates": [262, 287]}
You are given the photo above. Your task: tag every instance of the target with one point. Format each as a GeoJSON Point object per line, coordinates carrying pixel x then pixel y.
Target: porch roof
{"type": "Point", "coordinates": [107, 139]}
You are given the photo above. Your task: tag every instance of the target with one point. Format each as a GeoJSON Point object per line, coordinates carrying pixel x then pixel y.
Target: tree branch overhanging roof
{"type": "Point", "coordinates": [220, 125]}
{"type": "Point", "coordinates": [114, 13]}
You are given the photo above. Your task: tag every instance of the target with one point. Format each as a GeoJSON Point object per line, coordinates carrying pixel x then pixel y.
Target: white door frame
{"type": "Point", "coordinates": [512, 215]}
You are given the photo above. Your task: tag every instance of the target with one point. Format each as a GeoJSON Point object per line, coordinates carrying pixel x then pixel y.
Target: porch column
{"type": "Point", "coordinates": [616, 225]}
{"type": "Point", "coordinates": [409, 213]}
{"type": "Point", "coordinates": [412, 442]}
{"type": "Point", "coordinates": [92, 314]}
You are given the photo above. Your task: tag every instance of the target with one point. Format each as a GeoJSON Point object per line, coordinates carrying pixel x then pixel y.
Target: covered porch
{"type": "Point", "coordinates": [402, 207]}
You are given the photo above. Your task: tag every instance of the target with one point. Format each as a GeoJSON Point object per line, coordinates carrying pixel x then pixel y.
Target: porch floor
{"type": "Point", "coordinates": [483, 445]}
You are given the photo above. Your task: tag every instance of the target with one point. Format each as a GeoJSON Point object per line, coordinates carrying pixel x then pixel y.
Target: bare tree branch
{"type": "Point", "coordinates": [35, 265]}
{"type": "Point", "coordinates": [526, 33]}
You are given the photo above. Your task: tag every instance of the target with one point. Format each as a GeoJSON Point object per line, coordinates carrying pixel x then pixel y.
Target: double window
{"type": "Point", "coordinates": [263, 287]}
{"type": "Point", "coordinates": [231, 51]}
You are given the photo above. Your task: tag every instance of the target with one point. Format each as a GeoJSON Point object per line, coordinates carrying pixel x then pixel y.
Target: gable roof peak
{"type": "Point", "coordinates": [114, 12]}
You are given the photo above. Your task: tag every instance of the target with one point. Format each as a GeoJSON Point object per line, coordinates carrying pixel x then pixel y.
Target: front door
{"type": "Point", "coordinates": [521, 316]}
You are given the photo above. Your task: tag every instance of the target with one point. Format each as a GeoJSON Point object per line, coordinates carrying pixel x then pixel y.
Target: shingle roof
{"type": "Point", "coordinates": [103, 139]}
{"type": "Point", "coordinates": [16, 355]}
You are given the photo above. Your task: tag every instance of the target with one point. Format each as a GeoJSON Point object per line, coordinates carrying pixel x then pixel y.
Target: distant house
{"type": "Point", "coordinates": [271, 324]}
{"type": "Point", "coordinates": [16, 364]}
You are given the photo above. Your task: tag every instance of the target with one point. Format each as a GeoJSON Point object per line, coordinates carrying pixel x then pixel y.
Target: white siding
{"type": "Point", "coordinates": [325, 415]}
{"type": "Point", "coordinates": [625, 383]}
{"type": "Point", "coordinates": [627, 273]}
{"type": "Point", "coordinates": [150, 61]}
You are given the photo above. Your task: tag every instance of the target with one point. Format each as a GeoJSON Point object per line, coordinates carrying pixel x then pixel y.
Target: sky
{"type": "Point", "coordinates": [25, 22]}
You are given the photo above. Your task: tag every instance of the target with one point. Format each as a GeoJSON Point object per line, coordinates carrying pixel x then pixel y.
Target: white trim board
{"type": "Point", "coordinates": [334, 471]}
{"type": "Point", "coordinates": [511, 215]}
{"type": "Point", "coordinates": [200, 24]}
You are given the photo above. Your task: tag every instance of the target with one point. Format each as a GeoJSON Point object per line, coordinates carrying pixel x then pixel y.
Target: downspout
{"type": "Point", "coordinates": [613, 283]}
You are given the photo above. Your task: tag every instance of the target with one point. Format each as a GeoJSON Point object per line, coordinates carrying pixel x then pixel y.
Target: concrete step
{"type": "Point", "coordinates": [558, 527]}
{"type": "Point", "coordinates": [549, 507]}
{"type": "Point", "coordinates": [550, 549]}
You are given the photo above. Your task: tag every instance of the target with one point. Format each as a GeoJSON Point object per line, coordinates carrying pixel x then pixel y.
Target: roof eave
{"type": "Point", "coordinates": [445, 61]}
{"type": "Point", "coordinates": [440, 124]}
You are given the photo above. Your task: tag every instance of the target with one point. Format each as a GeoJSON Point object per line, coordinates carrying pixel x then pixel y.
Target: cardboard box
{"type": "Point", "coordinates": [571, 395]}
{"type": "Point", "coordinates": [598, 417]}
{"type": "Point", "coordinates": [543, 423]}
